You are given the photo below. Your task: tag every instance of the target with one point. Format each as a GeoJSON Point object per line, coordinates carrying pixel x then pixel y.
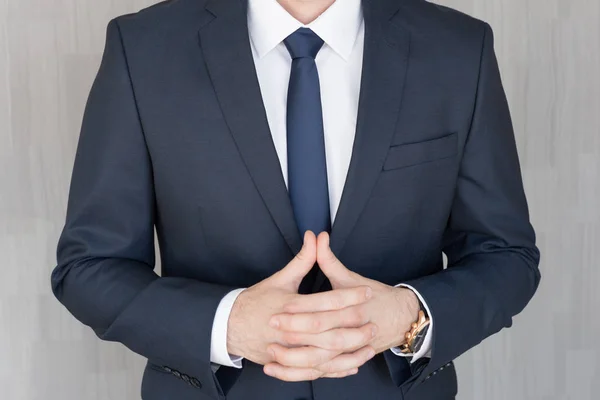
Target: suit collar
{"type": "Point", "coordinates": [269, 24]}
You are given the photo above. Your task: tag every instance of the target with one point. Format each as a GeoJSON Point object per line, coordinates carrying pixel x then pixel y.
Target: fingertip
{"type": "Point", "coordinates": [370, 352]}
{"type": "Point", "coordinates": [318, 237]}
{"type": "Point", "coordinates": [268, 369]}
{"type": "Point", "coordinates": [322, 244]}
{"type": "Point", "coordinates": [309, 241]}
{"type": "Point", "coordinates": [274, 322]}
{"type": "Point", "coordinates": [312, 236]}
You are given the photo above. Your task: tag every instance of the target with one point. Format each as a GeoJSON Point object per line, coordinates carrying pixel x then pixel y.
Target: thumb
{"type": "Point", "coordinates": [291, 276]}
{"type": "Point", "coordinates": [331, 266]}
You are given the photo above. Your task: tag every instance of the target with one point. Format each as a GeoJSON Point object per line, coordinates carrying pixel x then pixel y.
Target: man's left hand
{"type": "Point", "coordinates": [390, 308]}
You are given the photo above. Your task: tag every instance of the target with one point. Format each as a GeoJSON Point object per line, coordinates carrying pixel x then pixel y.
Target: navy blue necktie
{"type": "Point", "coordinates": [307, 167]}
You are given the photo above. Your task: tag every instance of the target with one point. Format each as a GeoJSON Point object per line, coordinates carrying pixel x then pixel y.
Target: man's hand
{"type": "Point", "coordinates": [250, 335]}
{"type": "Point", "coordinates": [391, 309]}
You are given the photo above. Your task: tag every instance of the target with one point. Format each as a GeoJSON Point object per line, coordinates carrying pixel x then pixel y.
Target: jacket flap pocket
{"type": "Point", "coordinates": [404, 155]}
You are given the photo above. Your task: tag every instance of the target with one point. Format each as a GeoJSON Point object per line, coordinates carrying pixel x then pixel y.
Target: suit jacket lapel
{"type": "Point", "coordinates": [384, 69]}
{"type": "Point", "coordinates": [226, 47]}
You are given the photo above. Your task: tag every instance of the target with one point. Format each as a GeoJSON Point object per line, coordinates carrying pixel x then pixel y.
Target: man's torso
{"type": "Point", "coordinates": [222, 212]}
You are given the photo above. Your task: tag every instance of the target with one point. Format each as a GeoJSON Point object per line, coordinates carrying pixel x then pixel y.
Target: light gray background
{"type": "Point", "coordinates": [549, 52]}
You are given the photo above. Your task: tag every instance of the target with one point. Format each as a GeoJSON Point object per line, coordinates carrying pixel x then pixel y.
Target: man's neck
{"type": "Point", "coordinates": [306, 11]}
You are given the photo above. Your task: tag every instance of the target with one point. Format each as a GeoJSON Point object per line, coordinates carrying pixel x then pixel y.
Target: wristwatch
{"type": "Point", "coordinates": [418, 330]}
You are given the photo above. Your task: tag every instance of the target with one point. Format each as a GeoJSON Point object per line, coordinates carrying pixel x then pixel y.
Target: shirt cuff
{"type": "Point", "coordinates": [425, 350]}
{"type": "Point", "coordinates": [218, 338]}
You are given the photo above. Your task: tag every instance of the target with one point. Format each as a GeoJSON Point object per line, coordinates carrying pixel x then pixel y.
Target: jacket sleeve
{"type": "Point", "coordinates": [493, 261]}
{"type": "Point", "coordinates": [105, 257]}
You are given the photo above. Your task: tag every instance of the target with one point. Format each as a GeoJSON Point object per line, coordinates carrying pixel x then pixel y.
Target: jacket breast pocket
{"type": "Point", "coordinates": [408, 154]}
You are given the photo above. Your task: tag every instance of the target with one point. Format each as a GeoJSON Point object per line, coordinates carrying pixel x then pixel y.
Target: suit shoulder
{"type": "Point", "coordinates": [429, 18]}
{"type": "Point", "coordinates": [161, 16]}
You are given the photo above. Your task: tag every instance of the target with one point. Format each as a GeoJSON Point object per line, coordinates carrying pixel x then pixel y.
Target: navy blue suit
{"type": "Point", "coordinates": [175, 137]}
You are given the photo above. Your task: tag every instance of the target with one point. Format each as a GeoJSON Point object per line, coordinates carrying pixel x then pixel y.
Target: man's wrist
{"type": "Point", "coordinates": [411, 303]}
{"type": "Point", "coordinates": [232, 333]}
{"type": "Point", "coordinates": [408, 312]}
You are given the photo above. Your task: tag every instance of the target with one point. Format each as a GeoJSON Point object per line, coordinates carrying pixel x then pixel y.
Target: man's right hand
{"type": "Point", "coordinates": [249, 333]}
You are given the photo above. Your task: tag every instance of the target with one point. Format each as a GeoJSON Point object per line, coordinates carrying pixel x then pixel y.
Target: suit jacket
{"type": "Point", "coordinates": [175, 137]}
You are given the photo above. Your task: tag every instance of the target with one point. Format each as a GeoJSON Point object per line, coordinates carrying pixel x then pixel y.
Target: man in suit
{"type": "Point", "coordinates": [305, 165]}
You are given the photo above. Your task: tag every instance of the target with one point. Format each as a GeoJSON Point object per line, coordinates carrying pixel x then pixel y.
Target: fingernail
{"type": "Point", "coordinates": [274, 322]}
{"type": "Point", "coordinates": [354, 371]}
{"type": "Point", "coordinates": [368, 292]}
{"type": "Point", "coordinates": [371, 354]}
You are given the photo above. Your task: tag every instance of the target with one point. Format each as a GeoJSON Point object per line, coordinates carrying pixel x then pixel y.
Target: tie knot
{"type": "Point", "coordinates": [303, 43]}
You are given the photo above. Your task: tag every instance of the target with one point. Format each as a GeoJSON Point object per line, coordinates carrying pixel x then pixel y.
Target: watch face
{"type": "Point", "coordinates": [419, 339]}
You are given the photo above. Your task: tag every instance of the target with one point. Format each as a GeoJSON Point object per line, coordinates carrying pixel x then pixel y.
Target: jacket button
{"type": "Point", "coordinates": [195, 383]}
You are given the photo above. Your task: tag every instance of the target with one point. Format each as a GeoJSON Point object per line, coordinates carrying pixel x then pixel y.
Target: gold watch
{"type": "Point", "coordinates": [416, 335]}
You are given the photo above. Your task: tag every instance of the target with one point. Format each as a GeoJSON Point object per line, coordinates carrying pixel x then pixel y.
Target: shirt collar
{"type": "Point", "coordinates": [269, 24]}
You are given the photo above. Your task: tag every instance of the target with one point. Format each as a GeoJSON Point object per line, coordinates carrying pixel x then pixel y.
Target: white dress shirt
{"type": "Point", "coordinates": [339, 64]}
